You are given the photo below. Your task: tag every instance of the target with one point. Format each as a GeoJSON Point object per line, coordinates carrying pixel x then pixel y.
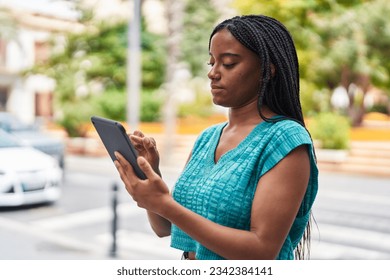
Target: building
{"type": "Point", "coordinates": [25, 30]}
{"type": "Point", "coordinates": [24, 41]}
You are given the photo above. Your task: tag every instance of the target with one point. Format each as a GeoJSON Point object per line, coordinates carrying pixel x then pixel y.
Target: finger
{"type": "Point", "coordinates": [138, 133]}
{"type": "Point", "coordinates": [136, 139]}
{"type": "Point", "coordinates": [153, 141]}
{"type": "Point", "coordinates": [147, 143]}
{"type": "Point", "coordinates": [150, 144]}
{"type": "Point", "coordinates": [123, 177]}
{"type": "Point", "coordinates": [126, 170]}
{"type": "Point", "coordinates": [137, 143]}
{"type": "Point", "coordinates": [146, 168]}
{"type": "Point", "coordinates": [121, 171]}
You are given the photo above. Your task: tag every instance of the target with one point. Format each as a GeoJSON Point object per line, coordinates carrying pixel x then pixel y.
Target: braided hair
{"type": "Point", "coordinates": [272, 42]}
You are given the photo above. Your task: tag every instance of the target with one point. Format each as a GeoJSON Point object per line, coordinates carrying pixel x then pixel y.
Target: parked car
{"type": "Point", "coordinates": [27, 175]}
{"type": "Point", "coordinates": [32, 136]}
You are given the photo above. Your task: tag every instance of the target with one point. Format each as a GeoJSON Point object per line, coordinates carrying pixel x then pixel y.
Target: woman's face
{"type": "Point", "coordinates": [235, 71]}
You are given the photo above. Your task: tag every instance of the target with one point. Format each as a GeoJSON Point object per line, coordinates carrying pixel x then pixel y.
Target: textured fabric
{"type": "Point", "coordinates": [223, 192]}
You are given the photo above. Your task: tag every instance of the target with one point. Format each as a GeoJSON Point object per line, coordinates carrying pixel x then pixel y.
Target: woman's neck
{"type": "Point", "coordinates": [248, 115]}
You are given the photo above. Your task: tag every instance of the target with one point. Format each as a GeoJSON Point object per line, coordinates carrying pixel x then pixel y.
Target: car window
{"type": "Point", "coordinates": [9, 123]}
{"type": "Point", "coordinates": [7, 141]}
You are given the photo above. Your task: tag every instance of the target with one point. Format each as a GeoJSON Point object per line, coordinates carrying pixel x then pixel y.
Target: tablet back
{"type": "Point", "coordinates": [114, 138]}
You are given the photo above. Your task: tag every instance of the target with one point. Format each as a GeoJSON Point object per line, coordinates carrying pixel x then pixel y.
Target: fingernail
{"type": "Point", "coordinates": [142, 160]}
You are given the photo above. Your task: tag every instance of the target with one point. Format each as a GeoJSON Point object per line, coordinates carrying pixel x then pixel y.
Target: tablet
{"type": "Point", "coordinates": [115, 138]}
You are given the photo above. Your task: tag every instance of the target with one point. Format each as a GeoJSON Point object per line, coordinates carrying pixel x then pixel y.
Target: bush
{"type": "Point", "coordinates": [112, 105]}
{"type": "Point", "coordinates": [331, 130]}
{"type": "Point", "coordinates": [74, 116]}
{"type": "Point", "coordinates": [380, 108]}
{"type": "Point", "coordinates": [201, 105]}
{"type": "Point", "coordinates": [151, 105]}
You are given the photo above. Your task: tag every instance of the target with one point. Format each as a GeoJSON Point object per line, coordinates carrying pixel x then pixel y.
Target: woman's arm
{"type": "Point", "coordinates": [147, 148]}
{"type": "Point", "coordinates": [277, 199]}
{"type": "Point", "coordinates": [160, 225]}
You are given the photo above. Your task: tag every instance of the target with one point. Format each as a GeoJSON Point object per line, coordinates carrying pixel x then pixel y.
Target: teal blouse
{"type": "Point", "coordinates": [223, 192]}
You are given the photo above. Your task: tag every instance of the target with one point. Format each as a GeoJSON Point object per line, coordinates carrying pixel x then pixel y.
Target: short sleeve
{"type": "Point", "coordinates": [287, 136]}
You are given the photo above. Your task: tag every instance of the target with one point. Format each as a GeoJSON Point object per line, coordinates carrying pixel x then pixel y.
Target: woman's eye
{"type": "Point", "coordinates": [228, 65]}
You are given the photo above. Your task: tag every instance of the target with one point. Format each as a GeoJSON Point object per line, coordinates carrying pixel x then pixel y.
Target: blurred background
{"type": "Point", "coordinates": [144, 63]}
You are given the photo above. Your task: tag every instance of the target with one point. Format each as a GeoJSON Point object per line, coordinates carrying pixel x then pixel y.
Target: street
{"type": "Point", "coordinates": [351, 213]}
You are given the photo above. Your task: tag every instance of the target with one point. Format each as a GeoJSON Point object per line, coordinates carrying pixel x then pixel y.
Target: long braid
{"type": "Point", "coordinates": [272, 42]}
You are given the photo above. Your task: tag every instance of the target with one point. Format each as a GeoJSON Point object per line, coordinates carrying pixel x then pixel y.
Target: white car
{"type": "Point", "coordinates": [30, 135]}
{"type": "Point", "coordinates": [27, 175]}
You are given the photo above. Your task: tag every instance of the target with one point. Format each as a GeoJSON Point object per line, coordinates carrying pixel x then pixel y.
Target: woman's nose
{"type": "Point", "coordinates": [213, 74]}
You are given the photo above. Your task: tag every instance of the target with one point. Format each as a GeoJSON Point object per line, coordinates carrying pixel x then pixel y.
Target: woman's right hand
{"type": "Point", "coordinates": [146, 147]}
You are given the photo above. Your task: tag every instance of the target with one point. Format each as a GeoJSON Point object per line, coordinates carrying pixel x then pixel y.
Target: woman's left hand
{"type": "Point", "coordinates": [151, 193]}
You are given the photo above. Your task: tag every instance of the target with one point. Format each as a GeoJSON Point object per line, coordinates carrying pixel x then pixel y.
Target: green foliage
{"type": "Point", "coordinates": [338, 42]}
{"type": "Point", "coordinates": [151, 106]}
{"type": "Point", "coordinates": [73, 120]}
{"type": "Point", "coordinates": [91, 69]}
{"type": "Point", "coordinates": [201, 105]}
{"type": "Point", "coordinates": [8, 26]}
{"type": "Point", "coordinates": [314, 100]}
{"type": "Point", "coordinates": [112, 104]}
{"type": "Point", "coordinates": [331, 130]}
{"type": "Point", "coordinates": [380, 108]}
{"type": "Point", "coordinates": [153, 60]}
{"type": "Point", "coordinates": [200, 18]}
{"type": "Point", "coordinates": [376, 28]}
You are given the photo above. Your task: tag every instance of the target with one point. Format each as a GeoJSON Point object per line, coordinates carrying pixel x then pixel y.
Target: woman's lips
{"type": "Point", "coordinates": [215, 89]}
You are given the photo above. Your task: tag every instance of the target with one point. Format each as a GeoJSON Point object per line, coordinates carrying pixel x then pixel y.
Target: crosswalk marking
{"type": "Point", "coordinates": [355, 197]}
{"type": "Point", "coordinates": [334, 242]}
{"type": "Point", "coordinates": [53, 237]}
{"type": "Point", "coordinates": [331, 242]}
{"type": "Point", "coordinates": [87, 217]}
{"type": "Point", "coordinates": [141, 245]}
{"type": "Point", "coordinates": [330, 251]}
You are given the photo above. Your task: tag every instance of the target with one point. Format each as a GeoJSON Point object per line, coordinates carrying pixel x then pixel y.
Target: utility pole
{"type": "Point", "coordinates": [134, 66]}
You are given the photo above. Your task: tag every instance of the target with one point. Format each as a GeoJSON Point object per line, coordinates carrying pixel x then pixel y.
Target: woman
{"type": "Point", "coordinates": [248, 187]}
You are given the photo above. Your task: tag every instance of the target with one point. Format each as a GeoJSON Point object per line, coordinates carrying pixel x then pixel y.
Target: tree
{"type": "Point", "coordinates": [338, 43]}
{"type": "Point", "coordinates": [199, 19]}
{"type": "Point", "coordinates": [90, 73]}
{"type": "Point", "coordinates": [8, 26]}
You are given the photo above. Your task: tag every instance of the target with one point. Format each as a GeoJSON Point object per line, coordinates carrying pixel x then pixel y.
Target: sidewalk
{"type": "Point", "coordinates": [363, 157]}
{"type": "Point", "coordinates": [90, 155]}
{"type": "Point", "coordinates": [103, 165]}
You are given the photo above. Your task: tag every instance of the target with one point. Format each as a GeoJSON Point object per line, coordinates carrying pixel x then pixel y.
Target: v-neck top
{"type": "Point", "coordinates": [223, 191]}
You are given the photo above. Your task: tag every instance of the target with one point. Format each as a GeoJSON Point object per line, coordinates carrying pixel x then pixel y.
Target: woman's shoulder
{"type": "Point", "coordinates": [208, 134]}
{"type": "Point", "coordinates": [287, 123]}
{"type": "Point", "coordinates": [287, 131]}
{"type": "Point", "coordinates": [288, 127]}
{"type": "Point", "coordinates": [211, 130]}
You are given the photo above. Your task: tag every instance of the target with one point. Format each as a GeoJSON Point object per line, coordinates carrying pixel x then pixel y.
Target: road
{"type": "Point", "coordinates": [352, 215]}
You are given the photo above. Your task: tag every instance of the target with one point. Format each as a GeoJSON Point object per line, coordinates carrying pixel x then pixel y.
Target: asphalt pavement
{"type": "Point", "coordinates": [351, 214]}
